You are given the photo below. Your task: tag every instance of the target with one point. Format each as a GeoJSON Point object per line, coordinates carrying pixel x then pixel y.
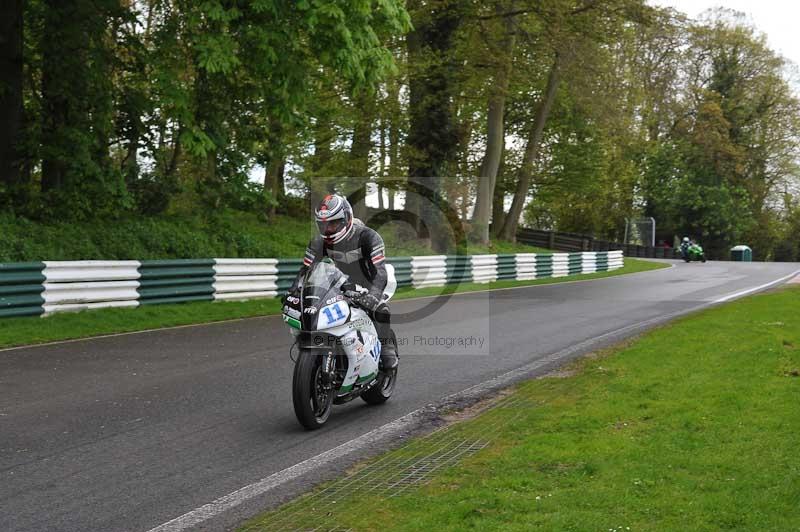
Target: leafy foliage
{"type": "Point", "coordinates": [569, 114]}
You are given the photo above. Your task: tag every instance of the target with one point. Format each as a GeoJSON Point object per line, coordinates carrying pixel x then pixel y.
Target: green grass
{"type": "Point", "coordinates": [694, 426]}
{"type": "Point", "coordinates": [66, 326]}
{"type": "Point", "coordinates": [72, 325]}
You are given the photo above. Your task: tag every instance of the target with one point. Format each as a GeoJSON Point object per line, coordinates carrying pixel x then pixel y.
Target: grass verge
{"type": "Point", "coordinates": [693, 426]}
{"type": "Point", "coordinates": [25, 331]}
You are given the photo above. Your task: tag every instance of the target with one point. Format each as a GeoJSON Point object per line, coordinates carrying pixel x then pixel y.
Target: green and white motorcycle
{"type": "Point", "coordinates": [694, 253]}
{"type": "Point", "coordinates": [338, 346]}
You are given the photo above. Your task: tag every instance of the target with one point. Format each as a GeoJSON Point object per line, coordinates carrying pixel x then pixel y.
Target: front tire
{"type": "Point", "coordinates": [312, 398]}
{"type": "Point", "coordinates": [382, 391]}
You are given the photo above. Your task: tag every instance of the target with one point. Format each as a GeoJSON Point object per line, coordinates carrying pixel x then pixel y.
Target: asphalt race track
{"type": "Point", "coordinates": [131, 431]}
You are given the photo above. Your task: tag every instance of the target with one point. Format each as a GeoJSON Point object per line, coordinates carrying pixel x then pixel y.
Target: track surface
{"type": "Point", "coordinates": [128, 432]}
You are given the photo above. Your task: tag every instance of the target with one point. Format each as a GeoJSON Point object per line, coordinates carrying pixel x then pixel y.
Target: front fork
{"type": "Point", "coordinates": [328, 369]}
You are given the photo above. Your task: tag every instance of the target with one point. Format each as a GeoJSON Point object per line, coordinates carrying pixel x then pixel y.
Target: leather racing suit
{"type": "Point", "coordinates": [361, 257]}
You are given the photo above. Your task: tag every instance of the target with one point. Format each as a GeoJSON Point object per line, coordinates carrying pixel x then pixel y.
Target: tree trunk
{"type": "Point", "coordinates": [274, 161]}
{"type": "Point", "coordinates": [58, 102]}
{"type": "Point", "coordinates": [274, 183]}
{"type": "Point", "coordinates": [318, 185]}
{"type": "Point", "coordinates": [499, 200]}
{"type": "Point", "coordinates": [532, 149]}
{"type": "Point", "coordinates": [393, 90]}
{"type": "Point", "coordinates": [381, 161]}
{"type": "Point", "coordinates": [432, 137]}
{"type": "Point", "coordinates": [495, 132]}
{"type": "Point", "coordinates": [11, 110]}
{"type": "Point", "coordinates": [359, 154]}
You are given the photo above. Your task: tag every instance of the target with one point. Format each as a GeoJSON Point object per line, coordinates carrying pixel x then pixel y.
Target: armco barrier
{"type": "Point", "coordinates": [41, 288]}
{"type": "Point", "coordinates": [90, 284]}
{"type": "Point", "coordinates": [176, 281]}
{"type": "Point", "coordinates": [287, 271]}
{"type": "Point", "coordinates": [21, 287]}
{"type": "Point", "coordinates": [506, 266]}
{"type": "Point", "coordinates": [428, 271]}
{"type": "Point", "coordinates": [245, 278]}
{"type": "Point", "coordinates": [525, 266]}
{"type": "Point", "coordinates": [484, 268]}
{"type": "Point", "coordinates": [403, 271]}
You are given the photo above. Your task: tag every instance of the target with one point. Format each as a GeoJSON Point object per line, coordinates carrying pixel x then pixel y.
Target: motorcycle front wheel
{"type": "Point", "coordinates": [311, 394]}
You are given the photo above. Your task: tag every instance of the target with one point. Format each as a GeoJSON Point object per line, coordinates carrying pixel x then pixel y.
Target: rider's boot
{"type": "Point", "coordinates": [389, 358]}
{"type": "Point", "coordinates": [382, 318]}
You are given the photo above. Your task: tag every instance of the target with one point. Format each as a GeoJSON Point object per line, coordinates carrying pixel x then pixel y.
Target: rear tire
{"type": "Point", "coordinates": [313, 401]}
{"type": "Point", "coordinates": [382, 391]}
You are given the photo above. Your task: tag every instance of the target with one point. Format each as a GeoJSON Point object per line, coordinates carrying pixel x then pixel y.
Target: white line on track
{"type": "Point", "coordinates": [260, 487]}
{"type": "Point", "coordinates": [759, 288]}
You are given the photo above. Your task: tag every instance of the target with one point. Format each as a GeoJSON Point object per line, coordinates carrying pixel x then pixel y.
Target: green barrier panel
{"type": "Point", "coordinates": [402, 270]}
{"type": "Point", "coordinates": [602, 261]}
{"type": "Point", "coordinates": [506, 266]}
{"type": "Point", "coordinates": [21, 287]}
{"type": "Point", "coordinates": [544, 265]}
{"type": "Point", "coordinates": [176, 281]}
{"type": "Point", "coordinates": [575, 263]}
{"type": "Point", "coordinates": [458, 268]}
{"type": "Point", "coordinates": [287, 272]}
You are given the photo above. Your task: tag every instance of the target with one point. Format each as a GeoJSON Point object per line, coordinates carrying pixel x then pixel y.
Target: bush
{"type": "Point", "coordinates": [230, 234]}
{"type": "Point", "coordinates": [227, 234]}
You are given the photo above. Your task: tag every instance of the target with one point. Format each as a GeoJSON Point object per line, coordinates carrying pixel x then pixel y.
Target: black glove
{"type": "Point", "coordinates": [368, 301]}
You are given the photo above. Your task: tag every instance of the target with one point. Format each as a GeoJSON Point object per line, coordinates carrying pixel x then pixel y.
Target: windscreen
{"type": "Point", "coordinates": [321, 282]}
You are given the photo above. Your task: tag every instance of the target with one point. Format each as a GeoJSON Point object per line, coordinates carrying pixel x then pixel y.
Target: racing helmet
{"type": "Point", "coordinates": [686, 239]}
{"type": "Point", "coordinates": [334, 217]}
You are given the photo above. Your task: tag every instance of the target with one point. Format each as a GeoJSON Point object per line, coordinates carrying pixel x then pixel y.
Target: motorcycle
{"type": "Point", "coordinates": [338, 346]}
{"type": "Point", "coordinates": [694, 253]}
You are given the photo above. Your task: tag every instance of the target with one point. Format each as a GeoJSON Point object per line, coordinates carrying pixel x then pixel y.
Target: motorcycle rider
{"type": "Point", "coordinates": [685, 245]}
{"type": "Point", "coordinates": [359, 253]}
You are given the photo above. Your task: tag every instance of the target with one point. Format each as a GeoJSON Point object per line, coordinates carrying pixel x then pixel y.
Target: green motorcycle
{"type": "Point", "coordinates": [694, 253]}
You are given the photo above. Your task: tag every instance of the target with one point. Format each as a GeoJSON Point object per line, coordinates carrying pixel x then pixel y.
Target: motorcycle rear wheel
{"type": "Point", "coordinates": [312, 397]}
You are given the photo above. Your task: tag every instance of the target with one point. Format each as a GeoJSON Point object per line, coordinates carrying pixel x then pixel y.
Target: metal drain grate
{"type": "Point", "coordinates": [397, 472]}
{"type": "Point", "coordinates": [421, 471]}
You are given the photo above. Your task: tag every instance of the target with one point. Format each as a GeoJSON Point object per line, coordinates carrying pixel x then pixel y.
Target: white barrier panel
{"type": "Point", "coordinates": [428, 271]}
{"type": "Point", "coordinates": [90, 284]}
{"type": "Point", "coordinates": [615, 260]}
{"type": "Point", "coordinates": [484, 268]}
{"type": "Point", "coordinates": [77, 307]}
{"type": "Point", "coordinates": [90, 270]}
{"type": "Point", "coordinates": [242, 296]}
{"type": "Point", "coordinates": [62, 293]}
{"type": "Point", "coordinates": [526, 266]}
{"type": "Point", "coordinates": [240, 267]}
{"type": "Point", "coordinates": [560, 264]}
{"type": "Point", "coordinates": [240, 279]}
{"type": "Point", "coordinates": [245, 284]}
{"type": "Point", "coordinates": [589, 262]}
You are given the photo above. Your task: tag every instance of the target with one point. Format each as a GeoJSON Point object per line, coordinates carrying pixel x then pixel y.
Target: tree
{"type": "Point", "coordinates": [11, 110]}
{"type": "Point", "coordinates": [502, 54]}
{"type": "Point", "coordinates": [432, 136]}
